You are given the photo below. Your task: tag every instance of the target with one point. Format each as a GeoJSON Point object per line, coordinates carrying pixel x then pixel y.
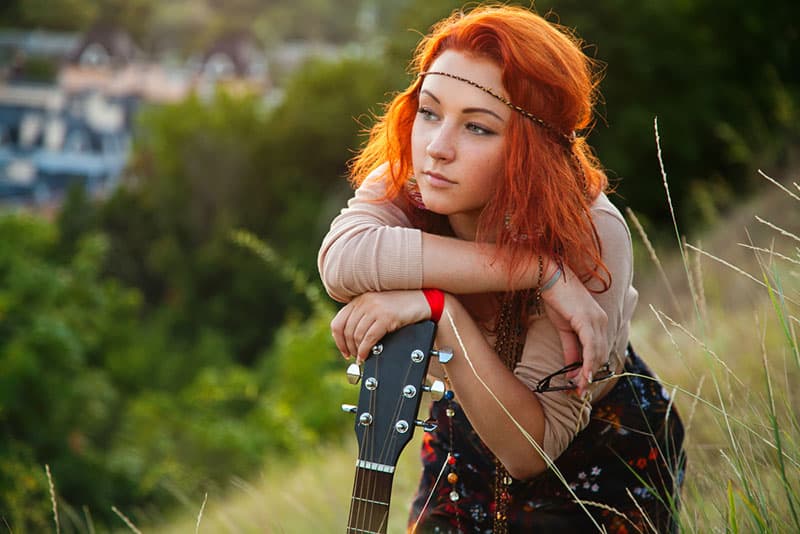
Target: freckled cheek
{"type": "Point", "coordinates": [418, 150]}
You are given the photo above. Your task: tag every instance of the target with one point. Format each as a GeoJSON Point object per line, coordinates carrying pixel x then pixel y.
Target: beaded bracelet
{"type": "Point", "coordinates": [550, 283]}
{"type": "Point", "coordinates": [435, 298]}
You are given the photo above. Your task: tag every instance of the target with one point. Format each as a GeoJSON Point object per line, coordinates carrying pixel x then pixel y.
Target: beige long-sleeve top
{"type": "Point", "coordinates": [371, 246]}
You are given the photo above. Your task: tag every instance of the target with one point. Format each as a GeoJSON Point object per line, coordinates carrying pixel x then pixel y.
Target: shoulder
{"type": "Point", "coordinates": [374, 185]}
{"type": "Point", "coordinates": [611, 225]}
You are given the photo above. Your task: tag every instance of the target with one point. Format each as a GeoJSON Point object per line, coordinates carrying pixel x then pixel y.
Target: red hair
{"type": "Point", "coordinates": [544, 199]}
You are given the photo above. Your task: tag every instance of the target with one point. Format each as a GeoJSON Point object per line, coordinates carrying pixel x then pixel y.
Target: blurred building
{"type": "Point", "coordinates": [68, 102]}
{"type": "Point", "coordinates": [50, 141]}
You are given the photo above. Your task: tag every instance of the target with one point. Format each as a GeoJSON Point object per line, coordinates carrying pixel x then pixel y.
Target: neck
{"type": "Point", "coordinates": [369, 507]}
{"type": "Point", "coordinates": [464, 225]}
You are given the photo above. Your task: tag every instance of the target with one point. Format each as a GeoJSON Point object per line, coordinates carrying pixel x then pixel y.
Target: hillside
{"type": "Point", "coordinates": [726, 333]}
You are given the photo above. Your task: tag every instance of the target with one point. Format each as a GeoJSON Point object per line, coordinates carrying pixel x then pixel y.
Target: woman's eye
{"type": "Point", "coordinates": [480, 130]}
{"type": "Point", "coordinates": [426, 113]}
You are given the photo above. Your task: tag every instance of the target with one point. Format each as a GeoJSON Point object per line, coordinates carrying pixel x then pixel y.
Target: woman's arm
{"type": "Point", "coordinates": [483, 386]}
{"type": "Point", "coordinates": [372, 315]}
{"type": "Point", "coordinates": [371, 246]}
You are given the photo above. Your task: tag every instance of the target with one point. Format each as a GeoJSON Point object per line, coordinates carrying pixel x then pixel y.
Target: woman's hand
{"type": "Point", "coordinates": [367, 318]}
{"type": "Point", "coordinates": [581, 323]}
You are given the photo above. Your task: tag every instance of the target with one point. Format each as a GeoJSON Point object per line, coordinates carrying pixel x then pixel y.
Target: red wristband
{"type": "Point", "coordinates": [435, 298]}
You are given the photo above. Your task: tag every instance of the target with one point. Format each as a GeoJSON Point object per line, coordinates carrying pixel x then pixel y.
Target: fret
{"type": "Point", "coordinates": [369, 506]}
{"type": "Point", "coordinates": [374, 466]}
{"type": "Point", "coordinates": [370, 501]}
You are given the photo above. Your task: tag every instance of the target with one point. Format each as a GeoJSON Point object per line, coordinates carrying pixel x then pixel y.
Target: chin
{"type": "Point", "coordinates": [436, 207]}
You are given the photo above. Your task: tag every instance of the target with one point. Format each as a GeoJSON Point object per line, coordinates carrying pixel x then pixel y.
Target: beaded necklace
{"type": "Point", "coordinates": [509, 344]}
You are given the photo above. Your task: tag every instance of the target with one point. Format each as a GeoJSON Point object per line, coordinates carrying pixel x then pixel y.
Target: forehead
{"type": "Point", "coordinates": [481, 71]}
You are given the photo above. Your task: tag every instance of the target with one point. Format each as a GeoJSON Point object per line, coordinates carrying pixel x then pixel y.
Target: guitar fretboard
{"type": "Point", "coordinates": [369, 506]}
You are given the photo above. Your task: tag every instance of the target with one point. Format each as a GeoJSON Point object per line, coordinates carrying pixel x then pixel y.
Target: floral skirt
{"type": "Point", "coordinates": [621, 474]}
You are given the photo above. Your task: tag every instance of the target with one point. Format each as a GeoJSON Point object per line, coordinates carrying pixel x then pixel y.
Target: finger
{"type": "Point", "coordinates": [359, 331]}
{"type": "Point", "coordinates": [337, 331]}
{"type": "Point", "coordinates": [589, 360]}
{"type": "Point", "coordinates": [596, 351]}
{"type": "Point", "coordinates": [372, 336]}
{"type": "Point", "coordinates": [350, 339]}
{"type": "Point", "coordinates": [362, 325]}
{"type": "Point", "coordinates": [571, 348]}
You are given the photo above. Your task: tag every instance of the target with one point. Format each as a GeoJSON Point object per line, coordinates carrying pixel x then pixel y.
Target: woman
{"type": "Point", "coordinates": [475, 183]}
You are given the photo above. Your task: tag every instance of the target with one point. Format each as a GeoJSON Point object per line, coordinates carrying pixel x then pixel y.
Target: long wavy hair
{"type": "Point", "coordinates": [542, 204]}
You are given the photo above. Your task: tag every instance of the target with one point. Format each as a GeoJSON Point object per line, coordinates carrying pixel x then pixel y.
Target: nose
{"type": "Point", "coordinates": [441, 145]}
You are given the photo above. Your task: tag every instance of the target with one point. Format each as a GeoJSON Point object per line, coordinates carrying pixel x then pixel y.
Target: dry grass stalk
{"type": "Point", "coordinates": [611, 509]}
{"type": "Point", "coordinates": [777, 228]}
{"type": "Point", "coordinates": [127, 521]}
{"type": "Point", "coordinates": [200, 514]}
{"type": "Point", "coordinates": [653, 256]}
{"type": "Point", "coordinates": [697, 270]}
{"type": "Point", "coordinates": [89, 521]}
{"type": "Point", "coordinates": [53, 498]}
{"type": "Point", "coordinates": [641, 511]}
{"type": "Point", "coordinates": [693, 408]}
{"type": "Point", "coordinates": [737, 269]}
{"type": "Point", "coordinates": [785, 190]}
{"type": "Point", "coordinates": [770, 252]}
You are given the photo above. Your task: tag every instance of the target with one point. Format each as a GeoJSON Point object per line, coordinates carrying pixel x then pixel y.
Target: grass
{"type": "Point", "coordinates": [717, 320]}
{"type": "Point", "coordinates": [311, 496]}
{"type": "Point", "coordinates": [718, 323]}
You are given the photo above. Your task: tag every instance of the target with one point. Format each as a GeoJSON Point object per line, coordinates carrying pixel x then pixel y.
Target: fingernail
{"type": "Point", "coordinates": [590, 378]}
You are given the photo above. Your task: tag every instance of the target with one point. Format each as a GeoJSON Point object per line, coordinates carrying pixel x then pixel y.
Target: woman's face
{"type": "Point", "coordinates": [458, 139]}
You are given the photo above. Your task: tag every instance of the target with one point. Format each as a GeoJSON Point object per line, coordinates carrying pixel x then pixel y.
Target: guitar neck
{"type": "Point", "coordinates": [369, 506]}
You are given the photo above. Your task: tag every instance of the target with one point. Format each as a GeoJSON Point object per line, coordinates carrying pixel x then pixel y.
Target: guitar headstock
{"type": "Point", "coordinates": [392, 383]}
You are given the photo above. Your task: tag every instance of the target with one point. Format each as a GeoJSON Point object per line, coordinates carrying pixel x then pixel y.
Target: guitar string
{"type": "Point", "coordinates": [365, 451]}
{"type": "Point", "coordinates": [385, 449]}
{"type": "Point", "coordinates": [371, 478]}
{"type": "Point", "coordinates": [549, 461]}
{"type": "Point", "coordinates": [373, 400]}
{"type": "Point", "coordinates": [382, 455]}
{"type": "Point", "coordinates": [391, 437]}
{"type": "Point", "coordinates": [355, 483]}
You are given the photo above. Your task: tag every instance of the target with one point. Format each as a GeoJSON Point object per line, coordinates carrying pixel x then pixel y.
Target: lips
{"type": "Point", "coordinates": [434, 178]}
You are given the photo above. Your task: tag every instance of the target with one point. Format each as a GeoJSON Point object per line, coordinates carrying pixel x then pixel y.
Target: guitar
{"type": "Point", "coordinates": [392, 382]}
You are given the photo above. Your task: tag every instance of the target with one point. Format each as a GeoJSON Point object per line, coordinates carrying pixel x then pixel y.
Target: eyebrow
{"type": "Point", "coordinates": [465, 110]}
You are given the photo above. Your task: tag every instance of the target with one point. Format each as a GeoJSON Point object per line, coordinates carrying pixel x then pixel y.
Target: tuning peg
{"type": "Point", "coordinates": [444, 354]}
{"type": "Point", "coordinates": [353, 373]}
{"type": "Point", "coordinates": [436, 389]}
{"type": "Point", "coordinates": [427, 426]}
{"type": "Point", "coordinates": [349, 408]}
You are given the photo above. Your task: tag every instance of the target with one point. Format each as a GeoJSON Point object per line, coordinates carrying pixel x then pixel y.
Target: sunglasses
{"type": "Point", "coordinates": [543, 386]}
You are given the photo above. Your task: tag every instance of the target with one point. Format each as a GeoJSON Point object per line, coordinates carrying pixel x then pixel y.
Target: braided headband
{"type": "Point", "coordinates": [567, 139]}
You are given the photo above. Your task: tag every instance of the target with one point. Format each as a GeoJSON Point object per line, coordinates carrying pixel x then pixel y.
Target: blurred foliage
{"type": "Point", "coordinates": [146, 356]}
{"type": "Point", "coordinates": [721, 77]}
{"type": "Point", "coordinates": [124, 412]}
{"type": "Point", "coordinates": [66, 15]}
